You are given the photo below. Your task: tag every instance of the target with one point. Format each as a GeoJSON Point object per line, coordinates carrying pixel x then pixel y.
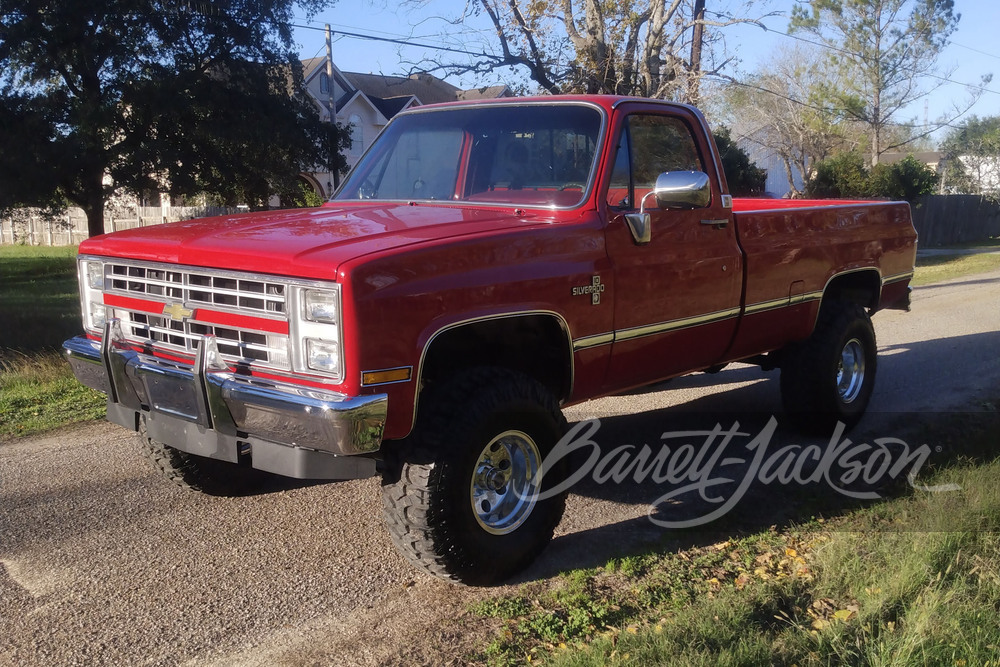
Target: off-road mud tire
{"type": "Point", "coordinates": [427, 488]}
{"type": "Point", "coordinates": [810, 391]}
{"type": "Point", "coordinates": [198, 473]}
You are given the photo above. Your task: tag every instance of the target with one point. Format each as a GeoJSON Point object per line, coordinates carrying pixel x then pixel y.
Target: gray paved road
{"type": "Point", "coordinates": [103, 562]}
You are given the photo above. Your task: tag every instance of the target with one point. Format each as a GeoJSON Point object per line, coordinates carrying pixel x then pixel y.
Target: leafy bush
{"type": "Point", "coordinates": [745, 178]}
{"type": "Point", "coordinates": [302, 196]}
{"type": "Point", "coordinates": [844, 175]}
{"type": "Point", "coordinates": [907, 179]}
{"type": "Point", "coordinates": [972, 153]}
{"type": "Point", "coordinates": [847, 176]}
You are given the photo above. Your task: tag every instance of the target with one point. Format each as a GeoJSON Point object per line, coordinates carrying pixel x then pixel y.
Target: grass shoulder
{"type": "Point", "coordinates": [39, 309]}
{"type": "Point", "coordinates": [38, 392]}
{"type": "Point", "coordinates": [39, 297]}
{"type": "Point", "coordinates": [913, 579]}
{"type": "Point", "coordinates": [937, 268]}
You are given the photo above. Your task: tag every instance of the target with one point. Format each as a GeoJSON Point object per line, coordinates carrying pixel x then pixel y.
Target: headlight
{"type": "Point", "coordinates": [95, 275]}
{"type": "Point", "coordinates": [321, 306]}
{"type": "Point", "coordinates": [323, 355]}
{"type": "Point", "coordinates": [317, 331]}
{"type": "Point", "coordinates": [91, 275]}
{"type": "Point", "coordinates": [98, 315]}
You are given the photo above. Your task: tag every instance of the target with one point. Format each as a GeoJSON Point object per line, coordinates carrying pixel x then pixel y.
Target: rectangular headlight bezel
{"type": "Point", "coordinates": [321, 305]}
{"type": "Point", "coordinates": [95, 275]}
{"type": "Point", "coordinates": [316, 349]}
{"type": "Point", "coordinates": [90, 277]}
{"type": "Point", "coordinates": [318, 311]}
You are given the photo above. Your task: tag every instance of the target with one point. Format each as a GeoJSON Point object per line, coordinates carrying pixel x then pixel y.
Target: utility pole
{"type": "Point", "coordinates": [697, 38]}
{"type": "Point", "coordinates": [330, 103]}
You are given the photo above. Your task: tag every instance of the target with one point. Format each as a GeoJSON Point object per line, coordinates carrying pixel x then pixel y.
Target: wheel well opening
{"type": "Point", "coordinates": [536, 345]}
{"type": "Point", "coordinates": [861, 287]}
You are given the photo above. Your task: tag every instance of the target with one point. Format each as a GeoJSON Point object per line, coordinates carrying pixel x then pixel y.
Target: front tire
{"type": "Point", "coordinates": [198, 473]}
{"type": "Point", "coordinates": [830, 376]}
{"type": "Point", "coordinates": [460, 495]}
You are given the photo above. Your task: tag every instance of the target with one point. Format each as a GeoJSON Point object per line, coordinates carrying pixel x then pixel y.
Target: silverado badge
{"type": "Point", "coordinates": [594, 289]}
{"type": "Point", "coordinates": [177, 311]}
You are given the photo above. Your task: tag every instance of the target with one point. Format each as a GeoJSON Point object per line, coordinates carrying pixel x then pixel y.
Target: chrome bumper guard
{"type": "Point", "coordinates": [210, 411]}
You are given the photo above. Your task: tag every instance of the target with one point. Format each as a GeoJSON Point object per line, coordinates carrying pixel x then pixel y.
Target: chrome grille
{"type": "Point", "coordinates": [228, 291]}
{"type": "Point", "coordinates": [220, 292]}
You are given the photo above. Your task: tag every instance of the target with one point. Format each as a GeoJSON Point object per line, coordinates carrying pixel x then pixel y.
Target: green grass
{"type": "Point", "coordinates": [986, 243]}
{"type": "Point", "coordinates": [945, 267]}
{"type": "Point", "coordinates": [38, 393]}
{"type": "Point", "coordinates": [910, 580]}
{"type": "Point", "coordinates": [39, 297]}
{"type": "Point", "coordinates": [39, 309]}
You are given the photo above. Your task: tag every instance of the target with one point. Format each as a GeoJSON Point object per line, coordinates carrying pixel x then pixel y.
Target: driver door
{"type": "Point", "coordinates": [678, 296]}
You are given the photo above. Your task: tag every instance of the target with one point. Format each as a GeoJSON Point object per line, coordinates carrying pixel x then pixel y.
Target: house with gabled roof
{"type": "Point", "coordinates": [364, 103]}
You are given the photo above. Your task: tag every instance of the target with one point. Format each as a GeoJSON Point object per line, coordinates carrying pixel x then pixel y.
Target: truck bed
{"type": "Point", "coordinates": [794, 248]}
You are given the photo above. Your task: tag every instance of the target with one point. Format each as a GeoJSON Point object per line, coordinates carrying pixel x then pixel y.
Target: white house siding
{"type": "Point", "coordinates": [369, 120]}
{"type": "Point", "coordinates": [777, 184]}
{"type": "Point", "coordinates": [985, 171]}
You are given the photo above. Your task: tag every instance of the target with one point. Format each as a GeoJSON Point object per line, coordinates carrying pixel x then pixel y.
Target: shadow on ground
{"type": "Point", "coordinates": [760, 477]}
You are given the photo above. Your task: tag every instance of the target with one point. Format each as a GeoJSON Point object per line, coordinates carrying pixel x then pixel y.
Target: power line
{"type": "Point", "coordinates": [409, 42]}
{"type": "Point", "coordinates": [438, 37]}
{"type": "Point", "coordinates": [837, 49]}
{"type": "Point", "coordinates": [823, 110]}
{"type": "Point", "coordinates": [969, 48]}
{"type": "Point", "coordinates": [318, 25]}
{"type": "Point", "coordinates": [391, 40]}
{"type": "Point", "coordinates": [479, 54]}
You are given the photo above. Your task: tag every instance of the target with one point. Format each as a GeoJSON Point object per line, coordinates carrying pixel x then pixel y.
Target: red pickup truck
{"type": "Point", "coordinates": [484, 265]}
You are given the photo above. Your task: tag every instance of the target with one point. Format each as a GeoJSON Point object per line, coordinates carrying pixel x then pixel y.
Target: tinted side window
{"type": "Point", "coordinates": [620, 188]}
{"type": "Point", "coordinates": [659, 144]}
{"type": "Point", "coordinates": [648, 146]}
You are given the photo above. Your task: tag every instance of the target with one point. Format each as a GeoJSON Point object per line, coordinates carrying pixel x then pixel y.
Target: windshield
{"type": "Point", "coordinates": [532, 155]}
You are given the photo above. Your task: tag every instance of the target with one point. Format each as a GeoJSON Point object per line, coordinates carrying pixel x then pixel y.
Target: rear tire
{"type": "Point", "coordinates": [829, 377]}
{"type": "Point", "coordinates": [459, 493]}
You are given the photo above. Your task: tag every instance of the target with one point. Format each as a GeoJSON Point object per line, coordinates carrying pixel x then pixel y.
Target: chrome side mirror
{"type": "Point", "coordinates": [673, 189]}
{"type": "Point", "coordinates": [682, 189]}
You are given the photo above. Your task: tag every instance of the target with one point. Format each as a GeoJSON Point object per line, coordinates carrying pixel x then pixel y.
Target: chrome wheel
{"type": "Point", "coordinates": [851, 371]}
{"type": "Point", "coordinates": [505, 482]}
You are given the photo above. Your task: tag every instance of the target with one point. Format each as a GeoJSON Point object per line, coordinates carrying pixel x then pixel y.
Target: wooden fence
{"type": "Point", "coordinates": [33, 227]}
{"type": "Point", "coordinates": [944, 220]}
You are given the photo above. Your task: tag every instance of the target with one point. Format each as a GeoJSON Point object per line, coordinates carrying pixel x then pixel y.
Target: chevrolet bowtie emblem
{"type": "Point", "coordinates": [177, 311]}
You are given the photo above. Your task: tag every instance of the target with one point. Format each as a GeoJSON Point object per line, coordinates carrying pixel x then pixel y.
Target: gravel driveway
{"type": "Point", "coordinates": [104, 562]}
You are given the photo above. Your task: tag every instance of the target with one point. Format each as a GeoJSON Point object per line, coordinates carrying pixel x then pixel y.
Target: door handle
{"type": "Point", "coordinates": [718, 224]}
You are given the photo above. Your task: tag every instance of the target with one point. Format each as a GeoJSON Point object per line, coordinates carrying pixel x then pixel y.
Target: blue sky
{"type": "Point", "coordinates": [974, 52]}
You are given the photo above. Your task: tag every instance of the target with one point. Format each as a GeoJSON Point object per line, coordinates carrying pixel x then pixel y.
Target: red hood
{"type": "Point", "coordinates": [306, 243]}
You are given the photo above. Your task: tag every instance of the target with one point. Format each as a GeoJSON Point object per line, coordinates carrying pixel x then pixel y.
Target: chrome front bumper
{"type": "Point", "coordinates": [210, 411]}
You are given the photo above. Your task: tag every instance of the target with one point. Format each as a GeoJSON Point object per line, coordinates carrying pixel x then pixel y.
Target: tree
{"type": "Point", "coordinates": [745, 178]}
{"type": "Point", "coordinates": [302, 197]}
{"type": "Point", "coordinates": [884, 51]}
{"type": "Point", "coordinates": [141, 94]}
{"type": "Point", "coordinates": [650, 48]}
{"type": "Point", "coordinates": [972, 157]}
{"type": "Point", "coordinates": [788, 108]}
